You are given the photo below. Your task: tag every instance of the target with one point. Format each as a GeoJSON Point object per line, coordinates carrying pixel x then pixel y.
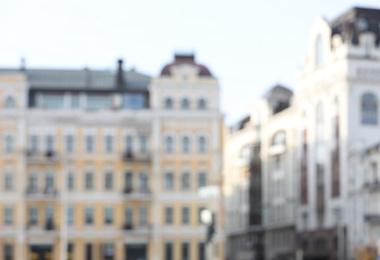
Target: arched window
{"type": "Point", "coordinates": [319, 51]}
{"type": "Point", "coordinates": [168, 103]}
{"type": "Point", "coordinates": [201, 104]}
{"type": "Point", "coordinates": [168, 181]}
{"type": "Point", "coordinates": [8, 144]}
{"type": "Point", "coordinates": [185, 144]}
{"type": "Point", "coordinates": [9, 102]}
{"type": "Point", "coordinates": [185, 103]}
{"type": "Point", "coordinates": [369, 109]}
{"type": "Point", "coordinates": [202, 147]}
{"type": "Point", "coordinates": [279, 138]}
{"type": "Point", "coordinates": [169, 144]}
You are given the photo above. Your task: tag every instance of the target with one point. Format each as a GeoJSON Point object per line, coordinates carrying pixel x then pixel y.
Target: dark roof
{"type": "Point", "coordinates": [82, 79]}
{"type": "Point", "coordinates": [350, 24]}
{"type": "Point", "coordinates": [240, 125]}
{"type": "Point", "coordinates": [185, 59]}
{"type": "Point", "coordinates": [278, 98]}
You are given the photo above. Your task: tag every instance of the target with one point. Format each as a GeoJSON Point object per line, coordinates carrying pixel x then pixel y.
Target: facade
{"type": "Point", "coordinates": [107, 164]}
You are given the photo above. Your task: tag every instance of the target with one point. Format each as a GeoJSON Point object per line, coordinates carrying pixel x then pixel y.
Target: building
{"type": "Point", "coordinates": [101, 164]}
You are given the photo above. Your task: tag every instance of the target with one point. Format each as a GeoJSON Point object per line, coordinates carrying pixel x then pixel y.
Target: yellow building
{"type": "Point", "coordinates": [107, 165]}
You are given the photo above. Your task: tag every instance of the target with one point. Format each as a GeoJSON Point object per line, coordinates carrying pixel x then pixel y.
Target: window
{"type": "Point", "coordinates": [169, 215]}
{"type": "Point", "coordinates": [98, 101]}
{"type": "Point", "coordinates": [89, 252]}
{"type": "Point", "coordinates": [128, 181]}
{"type": "Point", "coordinates": [133, 101]}
{"type": "Point", "coordinates": [375, 177]}
{"type": "Point", "coordinates": [168, 181]}
{"type": "Point", "coordinates": [200, 209]}
{"type": "Point", "coordinates": [168, 251]}
{"type": "Point", "coordinates": [201, 251]}
{"type": "Point", "coordinates": [185, 251]}
{"type": "Point", "coordinates": [369, 109]}
{"type": "Point", "coordinates": [89, 143]}
{"type": "Point", "coordinates": [49, 143]}
{"type": "Point", "coordinates": [246, 152]}
{"type": "Point", "coordinates": [128, 215]}
{"type": "Point", "coordinates": [169, 144]}
{"type": "Point", "coordinates": [168, 103]}
{"type": "Point", "coordinates": [33, 181]}
{"type": "Point", "coordinates": [143, 181]}
{"type": "Point", "coordinates": [33, 216]}
{"type": "Point", "coordinates": [129, 144]}
{"type": "Point", "coordinates": [109, 144]}
{"type": "Point", "coordinates": [185, 181]}
{"type": "Point", "coordinates": [143, 144]}
{"type": "Point", "coordinates": [109, 250]}
{"type": "Point", "coordinates": [8, 252]}
{"type": "Point", "coordinates": [8, 144]}
{"type": "Point", "coordinates": [201, 104]}
{"type": "Point", "coordinates": [185, 144]}
{"type": "Point", "coordinates": [89, 215]}
{"type": "Point", "coordinates": [49, 181]}
{"type": "Point", "coordinates": [52, 101]}
{"type": "Point", "coordinates": [70, 181]}
{"type": "Point", "coordinates": [108, 180]}
{"type": "Point", "coordinates": [279, 138]}
{"type": "Point", "coordinates": [143, 215]}
{"type": "Point", "coordinates": [70, 215]}
{"type": "Point", "coordinates": [319, 51]}
{"type": "Point", "coordinates": [34, 143]}
{"type": "Point", "coordinates": [185, 103]}
{"type": "Point", "coordinates": [49, 214]}
{"type": "Point", "coordinates": [89, 181]}
{"type": "Point", "coordinates": [202, 144]}
{"type": "Point", "coordinates": [9, 103]}
{"type": "Point", "coordinates": [69, 143]}
{"type": "Point", "coordinates": [8, 181]}
{"type": "Point", "coordinates": [108, 215]}
{"type": "Point", "coordinates": [185, 215]}
{"type": "Point", "coordinates": [201, 180]}
{"type": "Point", "coordinates": [75, 101]}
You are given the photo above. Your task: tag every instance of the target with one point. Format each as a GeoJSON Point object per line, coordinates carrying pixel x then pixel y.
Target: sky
{"type": "Point", "coordinates": [249, 45]}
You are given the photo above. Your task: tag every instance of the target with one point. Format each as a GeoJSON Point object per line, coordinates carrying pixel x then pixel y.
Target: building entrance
{"type": "Point", "coordinates": [135, 252]}
{"type": "Point", "coordinates": [41, 252]}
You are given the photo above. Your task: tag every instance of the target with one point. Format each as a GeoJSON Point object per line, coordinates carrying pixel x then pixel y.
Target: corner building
{"type": "Point", "coordinates": [107, 164]}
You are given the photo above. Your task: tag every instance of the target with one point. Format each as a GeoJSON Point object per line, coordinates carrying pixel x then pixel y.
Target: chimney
{"type": "Point", "coordinates": [120, 83]}
{"type": "Point", "coordinates": [22, 64]}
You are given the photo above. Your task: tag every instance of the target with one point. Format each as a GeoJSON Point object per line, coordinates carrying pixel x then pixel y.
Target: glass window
{"type": "Point", "coordinates": [69, 143]}
{"type": "Point", "coordinates": [9, 103]}
{"type": "Point", "coordinates": [168, 251]}
{"type": "Point", "coordinates": [109, 180]}
{"type": "Point", "coordinates": [319, 51]}
{"type": "Point", "coordinates": [89, 215]}
{"type": "Point", "coordinates": [143, 144]}
{"type": "Point", "coordinates": [185, 103]}
{"type": "Point", "coordinates": [128, 215]}
{"type": "Point", "coordinates": [168, 103]}
{"type": "Point", "coordinates": [201, 104]}
{"type": "Point", "coordinates": [52, 101]}
{"type": "Point", "coordinates": [49, 181]}
{"type": "Point", "coordinates": [185, 215]}
{"type": "Point", "coordinates": [169, 215]}
{"type": "Point", "coordinates": [49, 143]}
{"type": "Point", "coordinates": [89, 181]}
{"type": "Point", "coordinates": [202, 144]}
{"type": "Point", "coordinates": [98, 101]}
{"type": "Point", "coordinates": [129, 144]}
{"type": "Point", "coordinates": [70, 181]}
{"type": "Point", "coordinates": [70, 215]}
{"type": "Point", "coordinates": [49, 214]}
{"type": "Point", "coordinates": [8, 144]}
{"type": "Point", "coordinates": [109, 143]}
{"type": "Point", "coordinates": [34, 143]}
{"type": "Point", "coordinates": [169, 144]}
{"type": "Point", "coordinates": [8, 216]}
{"type": "Point", "coordinates": [168, 181]}
{"type": "Point", "coordinates": [143, 215]}
{"type": "Point", "coordinates": [185, 181]}
{"type": "Point", "coordinates": [33, 216]}
{"type": "Point", "coordinates": [33, 181]}
{"type": "Point", "coordinates": [75, 101]}
{"type": "Point", "coordinates": [185, 251]}
{"type": "Point", "coordinates": [8, 252]}
{"type": "Point", "coordinates": [201, 251]}
{"type": "Point", "coordinates": [89, 143]}
{"type": "Point", "coordinates": [89, 252]}
{"type": "Point", "coordinates": [134, 101]}
{"type": "Point", "coordinates": [202, 180]}
{"type": "Point", "coordinates": [128, 181]}
{"type": "Point", "coordinates": [108, 213]}
{"type": "Point", "coordinates": [109, 250]}
{"type": "Point", "coordinates": [143, 179]}
{"type": "Point", "coordinates": [8, 181]}
{"type": "Point", "coordinates": [185, 144]}
{"type": "Point", "coordinates": [279, 138]}
{"type": "Point", "coordinates": [369, 109]}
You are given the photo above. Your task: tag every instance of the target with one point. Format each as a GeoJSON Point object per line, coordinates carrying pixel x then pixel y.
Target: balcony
{"type": "Point", "coordinates": [372, 219]}
{"type": "Point", "coordinates": [372, 186]}
{"type": "Point", "coordinates": [136, 194]}
{"type": "Point", "coordinates": [136, 228]}
{"type": "Point", "coordinates": [41, 194]}
{"type": "Point", "coordinates": [49, 225]}
{"type": "Point", "coordinates": [35, 157]}
{"type": "Point", "coordinates": [129, 156]}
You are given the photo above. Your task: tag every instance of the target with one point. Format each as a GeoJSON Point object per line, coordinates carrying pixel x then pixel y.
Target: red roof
{"type": "Point", "coordinates": [185, 59]}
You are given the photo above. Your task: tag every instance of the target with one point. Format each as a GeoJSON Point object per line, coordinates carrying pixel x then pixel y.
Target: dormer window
{"type": "Point", "coordinates": [9, 103]}
{"type": "Point", "coordinates": [319, 51]}
{"type": "Point", "coordinates": [168, 103]}
{"type": "Point", "coordinates": [185, 103]}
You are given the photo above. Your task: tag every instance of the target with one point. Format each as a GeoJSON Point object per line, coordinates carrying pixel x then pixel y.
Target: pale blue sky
{"type": "Point", "coordinates": [249, 45]}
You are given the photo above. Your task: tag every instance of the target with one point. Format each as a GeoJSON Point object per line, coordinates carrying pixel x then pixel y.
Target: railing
{"type": "Point", "coordinates": [42, 157]}
{"type": "Point", "coordinates": [47, 192]}
{"type": "Point", "coordinates": [129, 192]}
{"type": "Point", "coordinates": [129, 156]}
{"type": "Point", "coordinates": [141, 227]}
